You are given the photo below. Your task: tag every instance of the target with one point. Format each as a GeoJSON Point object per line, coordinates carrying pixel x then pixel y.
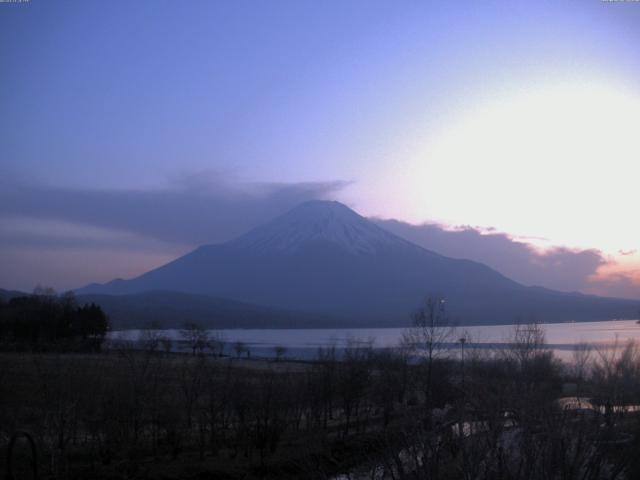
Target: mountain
{"type": "Point", "coordinates": [6, 295]}
{"type": "Point", "coordinates": [174, 309]}
{"type": "Point", "coordinates": [323, 257]}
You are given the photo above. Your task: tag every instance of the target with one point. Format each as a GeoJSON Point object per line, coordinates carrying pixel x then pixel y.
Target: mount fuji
{"type": "Point", "coordinates": [324, 258]}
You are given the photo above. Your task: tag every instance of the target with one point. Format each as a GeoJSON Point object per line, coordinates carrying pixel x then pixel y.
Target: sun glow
{"type": "Point", "coordinates": [558, 162]}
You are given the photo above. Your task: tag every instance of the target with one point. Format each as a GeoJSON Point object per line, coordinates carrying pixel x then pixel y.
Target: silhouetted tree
{"type": "Point", "coordinates": [195, 337]}
{"type": "Point", "coordinates": [239, 348]}
{"type": "Point", "coordinates": [427, 337]}
{"type": "Point", "coordinates": [44, 320]}
{"type": "Point", "coordinates": [279, 350]}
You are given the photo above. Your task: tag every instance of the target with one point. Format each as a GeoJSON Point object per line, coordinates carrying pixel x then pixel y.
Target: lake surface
{"type": "Point", "coordinates": [304, 343]}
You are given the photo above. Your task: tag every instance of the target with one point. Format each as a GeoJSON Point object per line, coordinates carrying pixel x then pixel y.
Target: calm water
{"type": "Point", "coordinates": [303, 343]}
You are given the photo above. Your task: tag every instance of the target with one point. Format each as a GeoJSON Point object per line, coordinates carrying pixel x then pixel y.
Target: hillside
{"type": "Point", "coordinates": [325, 259]}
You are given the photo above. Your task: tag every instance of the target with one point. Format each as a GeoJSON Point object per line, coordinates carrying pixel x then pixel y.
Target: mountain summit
{"type": "Point", "coordinates": [320, 221]}
{"type": "Point", "coordinates": [325, 259]}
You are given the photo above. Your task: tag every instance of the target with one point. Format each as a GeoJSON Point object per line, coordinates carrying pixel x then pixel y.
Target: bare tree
{"type": "Point", "coordinates": [216, 344]}
{"type": "Point", "coordinates": [195, 337]}
{"type": "Point", "coordinates": [149, 339]}
{"type": "Point", "coordinates": [580, 366]}
{"type": "Point", "coordinates": [354, 379]}
{"type": "Point", "coordinates": [280, 351]}
{"type": "Point", "coordinates": [431, 330]}
{"type": "Point", "coordinates": [239, 347]}
{"type": "Point", "coordinates": [166, 343]}
{"type": "Point", "coordinates": [44, 291]}
{"type": "Point", "coordinates": [527, 343]}
{"type": "Point", "coordinates": [614, 375]}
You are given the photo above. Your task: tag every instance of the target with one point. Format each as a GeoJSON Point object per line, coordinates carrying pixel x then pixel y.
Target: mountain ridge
{"type": "Point", "coordinates": [164, 309]}
{"type": "Point", "coordinates": [324, 258]}
{"type": "Point", "coordinates": [318, 220]}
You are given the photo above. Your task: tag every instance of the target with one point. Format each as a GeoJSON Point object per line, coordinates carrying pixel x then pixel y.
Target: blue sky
{"type": "Point", "coordinates": [210, 105]}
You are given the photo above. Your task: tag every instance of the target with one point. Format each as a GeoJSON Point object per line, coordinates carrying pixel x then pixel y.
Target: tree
{"type": "Point", "coordinates": [194, 336]}
{"type": "Point", "coordinates": [166, 343]}
{"type": "Point", "coordinates": [44, 292]}
{"type": "Point", "coordinates": [279, 350]}
{"type": "Point", "coordinates": [94, 323]}
{"type": "Point", "coordinates": [45, 320]}
{"type": "Point", "coordinates": [149, 340]}
{"type": "Point", "coordinates": [431, 329]}
{"type": "Point", "coordinates": [527, 344]}
{"type": "Point", "coordinates": [581, 357]}
{"type": "Point", "coordinates": [216, 344]}
{"type": "Point", "coordinates": [354, 379]}
{"type": "Point", "coordinates": [239, 347]}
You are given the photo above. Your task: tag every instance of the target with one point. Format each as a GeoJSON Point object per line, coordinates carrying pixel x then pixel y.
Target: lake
{"type": "Point", "coordinates": [304, 343]}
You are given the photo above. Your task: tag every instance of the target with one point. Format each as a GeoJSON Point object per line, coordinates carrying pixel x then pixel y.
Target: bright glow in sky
{"type": "Point", "coordinates": [559, 162]}
{"type": "Point", "coordinates": [552, 164]}
{"type": "Point", "coordinates": [521, 116]}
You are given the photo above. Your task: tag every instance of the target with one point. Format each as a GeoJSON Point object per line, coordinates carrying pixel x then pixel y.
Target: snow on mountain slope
{"type": "Point", "coordinates": [321, 221]}
{"type": "Point", "coordinates": [322, 257]}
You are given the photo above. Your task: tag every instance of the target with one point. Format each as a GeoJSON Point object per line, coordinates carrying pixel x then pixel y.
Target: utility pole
{"type": "Point", "coordinates": [462, 342]}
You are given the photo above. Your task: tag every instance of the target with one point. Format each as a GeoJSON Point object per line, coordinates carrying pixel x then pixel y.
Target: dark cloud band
{"type": "Point", "coordinates": [185, 214]}
{"type": "Point", "coordinates": [558, 268]}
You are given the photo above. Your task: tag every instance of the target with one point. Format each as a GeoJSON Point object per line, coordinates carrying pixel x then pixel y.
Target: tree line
{"type": "Point", "coordinates": [45, 321]}
{"type": "Point", "coordinates": [413, 412]}
{"type": "Point", "coordinates": [356, 412]}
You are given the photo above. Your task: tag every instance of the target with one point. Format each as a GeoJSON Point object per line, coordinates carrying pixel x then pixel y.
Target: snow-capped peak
{"type": "Point", "coordinates": [320, 221]}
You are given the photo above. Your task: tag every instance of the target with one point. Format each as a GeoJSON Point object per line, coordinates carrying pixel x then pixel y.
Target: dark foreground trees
{"type": "Point", "coordinates": [45, 321]}
{"type": "Point", "coordinates": [353, 412]}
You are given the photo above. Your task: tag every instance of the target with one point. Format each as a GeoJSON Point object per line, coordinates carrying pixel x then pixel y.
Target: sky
{"type": "Point", "coordinates": [504, 132]}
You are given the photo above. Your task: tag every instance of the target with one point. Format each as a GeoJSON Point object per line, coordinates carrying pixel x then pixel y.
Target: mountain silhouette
{"type": "Point", "coordinates": [324, 258]}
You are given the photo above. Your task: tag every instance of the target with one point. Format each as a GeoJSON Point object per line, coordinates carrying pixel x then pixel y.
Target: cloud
{"type": "Point", "coordinates": [558, 268]}
{"type": "Point", "coordinates": [68, 237]}
{"type": "Point", "coordinates": [29, 233]}
{"type": "Point", "coordinates": [619, 277]}
{"type": "Point", "coordinates": [197, 210]}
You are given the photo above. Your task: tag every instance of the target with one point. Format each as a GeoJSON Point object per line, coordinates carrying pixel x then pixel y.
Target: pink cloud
{"type": "Point", "coordinates": [618, 277]}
